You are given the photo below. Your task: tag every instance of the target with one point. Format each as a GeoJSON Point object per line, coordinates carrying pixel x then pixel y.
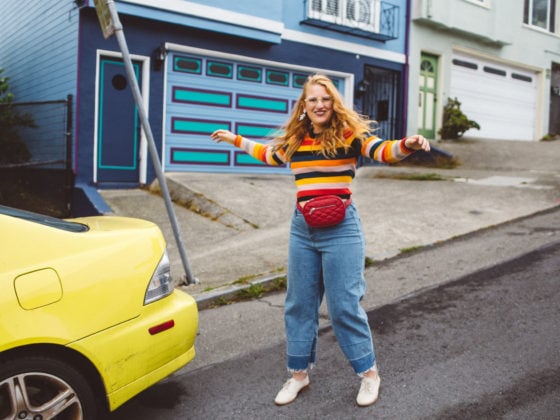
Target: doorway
{"type": "Point", "coordinates": [427, 96]}
{"type": "Point", "coordinates": [554, 117]}
{"type": "Point", "coordinates": [381, 100]}
{"type": "Point", "coordinates": [118, 129]}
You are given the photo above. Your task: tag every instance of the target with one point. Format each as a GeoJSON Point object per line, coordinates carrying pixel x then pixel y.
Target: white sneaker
{"type": "Point", "coordinates": [369, 391]}
{"type": "Point", "coordinates": [290, 390]}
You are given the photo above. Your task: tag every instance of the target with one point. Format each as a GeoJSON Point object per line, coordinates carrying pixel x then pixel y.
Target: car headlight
{"type": "Point", "coordinates": [161, 284]}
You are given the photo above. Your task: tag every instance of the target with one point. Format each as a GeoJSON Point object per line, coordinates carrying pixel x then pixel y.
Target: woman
{"type": "Point", "coordinates": [322, 141]}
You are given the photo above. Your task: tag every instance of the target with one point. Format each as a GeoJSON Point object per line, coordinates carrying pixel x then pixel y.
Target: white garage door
{"type": "Point", "coordinates": [500, 98]}
{"type": "Point", "coordinates": [205, 93]}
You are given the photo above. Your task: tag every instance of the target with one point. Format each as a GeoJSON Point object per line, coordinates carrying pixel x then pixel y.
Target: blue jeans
{"type": "Point", "coordinates": [327, 261]}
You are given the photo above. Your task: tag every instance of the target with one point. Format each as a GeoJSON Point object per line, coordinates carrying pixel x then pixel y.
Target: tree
{"type": "Point", "coordinates": [12, 146]}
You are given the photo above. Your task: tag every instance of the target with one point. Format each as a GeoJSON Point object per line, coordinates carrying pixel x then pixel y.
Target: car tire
{"type": "Point", "coordinates": [44, 386]}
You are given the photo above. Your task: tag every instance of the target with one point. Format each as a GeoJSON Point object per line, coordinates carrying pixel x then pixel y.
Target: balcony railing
{"type": "Point", "coordinates": [373, 19]}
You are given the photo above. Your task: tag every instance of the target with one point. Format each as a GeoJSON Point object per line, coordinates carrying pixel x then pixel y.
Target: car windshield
{"type": "Point", "coordinates": [44, 220]}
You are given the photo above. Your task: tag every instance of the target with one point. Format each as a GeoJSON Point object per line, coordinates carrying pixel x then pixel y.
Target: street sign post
{"type": "Point", "coordinates": [111, 25]}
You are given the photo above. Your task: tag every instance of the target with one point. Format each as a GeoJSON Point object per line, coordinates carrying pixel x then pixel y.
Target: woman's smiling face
{"type": "Point", "coordinates": [319, 106]}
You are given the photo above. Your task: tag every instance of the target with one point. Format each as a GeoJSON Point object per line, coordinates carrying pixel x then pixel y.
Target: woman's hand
{"type": "Point", "coordinates": [223, 135]}
{"type": "Point", "coordinates": [417, 142]}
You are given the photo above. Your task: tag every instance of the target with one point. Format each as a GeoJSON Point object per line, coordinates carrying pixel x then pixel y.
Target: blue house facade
{"type": "Point", "coordinates": [202, 65]}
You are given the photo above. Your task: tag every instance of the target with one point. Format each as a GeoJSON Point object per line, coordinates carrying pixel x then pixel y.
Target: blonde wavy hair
{"type": "Point", "coordinates": [343, 119]}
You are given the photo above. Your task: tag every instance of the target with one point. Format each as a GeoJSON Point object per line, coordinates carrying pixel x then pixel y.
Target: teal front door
{"type": "Point", "coordinates": [118, 124]}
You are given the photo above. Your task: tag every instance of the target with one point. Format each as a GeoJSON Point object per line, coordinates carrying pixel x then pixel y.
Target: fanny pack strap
{"type": "Point", "coordinates": [346, 203]}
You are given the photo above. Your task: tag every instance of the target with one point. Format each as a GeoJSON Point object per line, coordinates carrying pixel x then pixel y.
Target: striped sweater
{"type": "Point", "coordinates": [316, 174]}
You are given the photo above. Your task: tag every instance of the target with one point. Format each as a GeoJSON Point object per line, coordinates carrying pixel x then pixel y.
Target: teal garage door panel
{"type": "Point", "coordinates": [205, 94]}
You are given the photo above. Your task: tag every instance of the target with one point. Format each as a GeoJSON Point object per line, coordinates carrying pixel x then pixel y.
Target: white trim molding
{"type": "Point", "coordinates": [212, 13]}
{"type": "Point", "coordinates": [145, 89]}
{"type": "Point", "coordinates": [358, 49]}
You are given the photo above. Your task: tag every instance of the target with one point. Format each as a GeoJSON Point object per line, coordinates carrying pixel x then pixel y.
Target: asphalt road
{"type": "Point", "coordinates": [483, 346]}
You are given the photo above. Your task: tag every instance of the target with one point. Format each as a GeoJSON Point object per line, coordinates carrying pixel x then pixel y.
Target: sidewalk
{"type": "Point", "coordinates": [238, 231]}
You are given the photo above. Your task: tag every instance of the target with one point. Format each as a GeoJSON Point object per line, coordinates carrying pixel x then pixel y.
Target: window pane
{"type": "Point", "coordinates": [552, 15]}
{"type": "Point", "coordinates": [332, 7]}
{"type": "Point", "coordinates": [540, 14]}
{"type": "Point", "coordinates": [358, 11]}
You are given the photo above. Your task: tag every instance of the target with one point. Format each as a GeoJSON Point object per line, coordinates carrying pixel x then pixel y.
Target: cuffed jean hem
{"type": "Point", "coordinates": [363, 374]}
{"type": "Point", "coordinates": [306, 370]}
{"type": "Point", "coordinates": [363, 364]}
{"type": "Point", "coordinates": [299, 364]}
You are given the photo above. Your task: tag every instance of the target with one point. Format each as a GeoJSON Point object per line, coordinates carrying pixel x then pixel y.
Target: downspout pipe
{"type": "Point", "coordinates": [406, 67]}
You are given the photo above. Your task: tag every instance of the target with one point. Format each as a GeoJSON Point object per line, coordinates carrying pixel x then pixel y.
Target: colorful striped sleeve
{"type": "Point", "coordinates": [385, 151]}
{"type": "Point", "coordinates": [259, 151]}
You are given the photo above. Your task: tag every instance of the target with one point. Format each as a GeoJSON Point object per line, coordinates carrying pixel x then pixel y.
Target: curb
{"type": "Point", "coordinates": [231, 293]}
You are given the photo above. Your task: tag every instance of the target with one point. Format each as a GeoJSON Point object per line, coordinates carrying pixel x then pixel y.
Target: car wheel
{"type": "Point", "coordinates": [38, 387]}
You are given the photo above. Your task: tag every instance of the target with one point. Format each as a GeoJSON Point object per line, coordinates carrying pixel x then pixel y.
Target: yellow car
{"type": "Point", "coordinates": [88, 314]}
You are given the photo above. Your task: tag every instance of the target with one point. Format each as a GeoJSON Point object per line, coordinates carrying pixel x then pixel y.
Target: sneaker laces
{"type": "Point", "coordinates": [287, 384]}
{"type": "Point", "coordinates": [368, 385]}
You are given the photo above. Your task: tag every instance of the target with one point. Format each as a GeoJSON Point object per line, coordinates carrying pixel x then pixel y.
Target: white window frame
{"type": "Point", "coordinates": [549, 15]}
{"type": "Point", "coordinates": [372, 24]}
{"type": "Point", "coordinates": [482, 3]}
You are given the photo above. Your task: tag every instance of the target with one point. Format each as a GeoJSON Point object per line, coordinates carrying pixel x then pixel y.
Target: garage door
{"type": "Point", "coordinates": [501, 99]}
{"type": "Point", "coordinates": [205, 93]}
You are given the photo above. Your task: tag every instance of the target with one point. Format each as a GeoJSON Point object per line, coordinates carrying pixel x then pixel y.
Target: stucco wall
{"type": "Point", "coordinates": [495, 31]}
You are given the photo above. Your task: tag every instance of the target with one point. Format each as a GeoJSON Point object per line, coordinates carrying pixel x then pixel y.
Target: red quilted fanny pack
{"type": "Point", "coordinates": [324, 211]}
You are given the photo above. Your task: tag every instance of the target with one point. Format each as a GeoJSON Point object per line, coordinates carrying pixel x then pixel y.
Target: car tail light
{"type": "Point", "coordinates": [161, 284]}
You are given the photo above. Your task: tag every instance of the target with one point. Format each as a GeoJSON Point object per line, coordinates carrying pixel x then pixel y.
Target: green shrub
{"type": "Point", "coordinates": [455, 123]}
{"type": "Point", "coordinates": [12, 147]}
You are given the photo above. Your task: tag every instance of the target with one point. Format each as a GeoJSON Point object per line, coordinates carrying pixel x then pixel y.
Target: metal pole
{"type": "Point", "coordinates": [151, 143]}
{"type": "Point", "coordinates": [68, 167]}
